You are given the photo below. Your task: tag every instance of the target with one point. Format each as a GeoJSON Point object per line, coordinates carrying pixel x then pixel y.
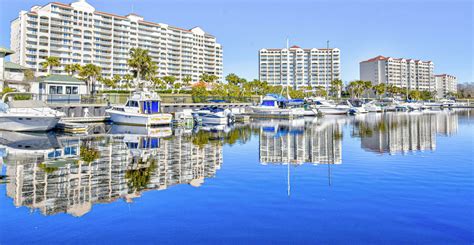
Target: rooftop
{"type": "Point", "coordinates": [14, 66]}
{"type": "Point", "coordinates": [6, 51]}
{"type": "Point", "coordinates": [380, 57]}
{"type": "Point", "coordinates": [84, 4]}
{"type": "Point", "coordinates": [60, 78]}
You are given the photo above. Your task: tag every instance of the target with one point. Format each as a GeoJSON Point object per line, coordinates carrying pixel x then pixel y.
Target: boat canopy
{"type": "Point", "coordinates": [275, 97]}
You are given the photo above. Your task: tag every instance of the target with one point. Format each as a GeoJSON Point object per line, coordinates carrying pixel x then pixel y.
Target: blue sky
{"type": "Point", "coordinates": [440, 31]}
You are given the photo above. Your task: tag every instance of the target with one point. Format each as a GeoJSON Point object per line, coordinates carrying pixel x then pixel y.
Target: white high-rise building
{"type": "Point", "coordinates": [78, 33]}
{"type": "Point", "coordinates": [400, 72]}
{"type": "Point", "coordinates": [307, 67]}
{"type": "Point", "coordinates": [445, 84]}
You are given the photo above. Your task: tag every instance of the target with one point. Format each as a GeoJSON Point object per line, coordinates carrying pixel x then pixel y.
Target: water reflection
{"type": "Point", "coordinates": [403, 132]}
{"type": "Point", "coordinates": [66, 174]}
{"type": "Point", "coordinates": [69, 174]}
{"type": "Point", "coordinates": [318, 141]}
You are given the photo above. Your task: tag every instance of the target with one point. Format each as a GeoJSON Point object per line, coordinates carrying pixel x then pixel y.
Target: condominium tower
{"type": "Point", "coordinates": [400, 72]}
{"type": "Point", "coordinates": [445, 84]}
{"type": "Point", "coordinates": [307, 67]}
{"type": "Point", "coordinates": [78, 33]}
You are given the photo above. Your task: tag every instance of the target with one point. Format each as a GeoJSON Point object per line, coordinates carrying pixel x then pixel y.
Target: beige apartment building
{"type": "Point", "coordinates": [445, 84]}
{"type": "Point", "coordinates": [400, 72]}
{"type": "Point", "coordinates": [299, 67]}
{"type": "Point", "coordinates": [78, 33]}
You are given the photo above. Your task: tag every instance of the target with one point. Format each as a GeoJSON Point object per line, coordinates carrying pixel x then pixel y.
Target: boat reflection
{"type": "Point", "coordinates": [68, 174]}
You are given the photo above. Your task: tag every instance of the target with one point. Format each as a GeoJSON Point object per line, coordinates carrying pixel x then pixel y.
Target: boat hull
{"type": "Point", "coordinates": [142, 120]}
{"type": "Point", "coordinates": [333, 111]}
{"type": "Point", "coordinates": [28, 123]}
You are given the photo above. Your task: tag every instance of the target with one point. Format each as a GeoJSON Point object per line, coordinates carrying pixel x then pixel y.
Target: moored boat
{"type": "Point", "coordinates": [142, 108]}
{"type": "Point", "coordinates": [27, 115]}
{"type": "Point", "coordinates": [214, 115]}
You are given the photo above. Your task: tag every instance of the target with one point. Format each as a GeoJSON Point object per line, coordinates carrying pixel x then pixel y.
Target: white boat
{"type": "Point", "coordinates": [274, 105]}
{"type": "Point", "coordinates": [329, 108]}
{"type": "Point", "coordinates": [27, 115]}
{"type": "Point", "coordinates": [372, 107]}
{"type": "Point", "coordinates": [213, 115]}
{"type": "Point", "coordinates": [142, 108]}
{"type": "Point", "coordinates": [356, 107]}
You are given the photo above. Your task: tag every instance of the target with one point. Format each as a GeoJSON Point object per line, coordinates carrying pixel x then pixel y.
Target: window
{"type": "Point", "coordinates": [55, 90]}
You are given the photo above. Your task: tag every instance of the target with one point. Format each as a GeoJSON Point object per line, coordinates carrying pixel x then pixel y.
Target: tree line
{"type": "Point", "coordinates": [144, 74]}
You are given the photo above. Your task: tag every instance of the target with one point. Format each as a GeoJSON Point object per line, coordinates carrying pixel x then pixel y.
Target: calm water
{"type": "Point", "coordinates": [375, 178]}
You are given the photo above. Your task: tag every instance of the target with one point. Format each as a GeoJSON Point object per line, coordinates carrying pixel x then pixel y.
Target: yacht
{"type": "Point", "coordinates": [357, 107]}
{"type": "Point", "coordinates": [371, 106]}
{"type": "Point", "coordinates": [27, 115]}
{"type": "Point", "coordinates": [142, 108]}
{"type": "Point", "coordinates": [213, 115]}
{"type": "Point", "coordinates": [275, 105]}
{"type": "Point", "coordinates": [329, 108]}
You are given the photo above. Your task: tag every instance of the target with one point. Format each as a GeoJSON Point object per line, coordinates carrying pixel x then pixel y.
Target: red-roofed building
{"type": "Point", "coordinates": [400, 72]}
{"type": "Point", "coordinates": [77, 33]}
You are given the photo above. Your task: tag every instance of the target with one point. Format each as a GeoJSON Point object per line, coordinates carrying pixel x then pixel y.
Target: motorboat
{"type": "Point", "coordinates": [275, 105]}
{"type": "Point", "coordinates": [329, 108]}
{"type": "Point", "coordinates": [356, 107]}
{"type": "Point", "coordinates": [142, 108]}
{"type": "Point", "coordinates": [27, 115]}
{"type": "Point", "coordinates": [213, 115]}
{"type": "Point", "coordinates": [371, 106]}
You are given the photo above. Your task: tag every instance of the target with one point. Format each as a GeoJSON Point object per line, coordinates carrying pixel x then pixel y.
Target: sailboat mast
{"type": "Point", "coordinates": [288, 69]}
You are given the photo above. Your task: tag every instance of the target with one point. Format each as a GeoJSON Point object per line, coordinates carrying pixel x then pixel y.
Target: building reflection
{"type": "Point", "coordinates": [403, 132]}
{"type": "Point", "coordinates": [68, 174]}
{"type": "Point", "coordinates": [317, 141]}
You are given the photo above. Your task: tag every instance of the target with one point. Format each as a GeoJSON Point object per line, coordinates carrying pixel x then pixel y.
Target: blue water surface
{"type": "Point", "coordinates": [353, 192]}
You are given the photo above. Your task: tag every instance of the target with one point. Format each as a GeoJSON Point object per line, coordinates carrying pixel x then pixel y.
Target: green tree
{"type": "Point", "coordinates": [142, 64]}
{"type": "Point", "coordinates": [336, 87]}
{"type": "Point", "coordinates": [111, 83]}
{"type": "Point", "coordinates": [29, 75]}
{"type": "Point", "coordinates": [50, 63]}
{"type": "Point", "coordinates": [90, 73]}
{"type": "Point", "coordinates": [187, 81]}
{"type": "Point", "coordinates": [71, 69]}
{"type": "Point", "coordinates": [235, 80]}
{"type": "Point", "coordinates": [170, 80]}
{"type": "Point", "coordinates": [321, 91]}
{"type": "Point", "coordinates": [207, 78]}
{"type": "Point", "coordinates": [379, 89]}
{"type": "Point", "coordinates": [127, 79]}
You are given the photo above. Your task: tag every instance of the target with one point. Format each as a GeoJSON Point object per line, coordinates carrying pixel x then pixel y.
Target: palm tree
{"type": "Point", "coordinates": [187, 81]}
{"type": "Point", "coordinates": [51, 62]}
{"type": "Point", "coordinates": [72, 68]}
{"type": "Point", "coordinates": [169, 80]}
{"type": "Point", "coordinates": [208, 78]}
{"type": "Point", "coordinates": [336, 86]}
{"type": "Point", "coordinates": [379, 89]}
{"type": "Point", "coordinates": [366, 86]}
{"type": "Point", "coordinates": [90, 73]}
{"type": "Point", "coordinates": [128, 79]}
{"type": "Point", "coordinates": [142, 64]}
